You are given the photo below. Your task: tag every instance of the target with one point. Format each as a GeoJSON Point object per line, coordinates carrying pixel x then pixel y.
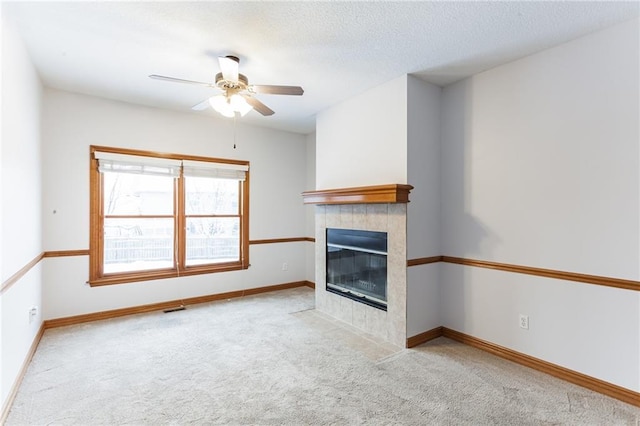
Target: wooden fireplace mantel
{"type": "Point", "coordinates": [393, 193]}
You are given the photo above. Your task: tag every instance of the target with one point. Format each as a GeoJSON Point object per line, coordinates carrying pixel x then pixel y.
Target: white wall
{"type": "Point", "coordinates": [423, 212]}
{"type": "Point", "coordinates": [310, 217]}
{"type": "Point", "coordinates": [391, 134]}
{"type": "Point", "coordinates": [540, 167]}
{"type": "Point", "coordinates": [72, 122]}
{"type": "Point", "coordinates": [363, 140]}
{"type": "Point", "coordinates": [20, 192]}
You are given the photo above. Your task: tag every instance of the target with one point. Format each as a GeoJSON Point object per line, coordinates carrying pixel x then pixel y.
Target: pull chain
{"type": "Point", "coordinates": [234, 130]}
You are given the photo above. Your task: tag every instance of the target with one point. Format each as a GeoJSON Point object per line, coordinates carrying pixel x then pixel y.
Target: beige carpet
{"type": "Point", "coordinates": [273, 360]}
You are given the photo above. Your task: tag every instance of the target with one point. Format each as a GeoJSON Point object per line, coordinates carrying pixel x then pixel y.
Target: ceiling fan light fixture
{"type": "Point", "coordinates": [229, 105]}
{"type": "Point", "coordinates": [218, 102]}
{"type": "Point", "coordinates": [239, 104]}
{"type": "Point", "coordinates": [236, 97]}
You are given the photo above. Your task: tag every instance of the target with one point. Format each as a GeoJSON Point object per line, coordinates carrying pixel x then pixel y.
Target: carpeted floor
{"type": "Point", "coordinates": [273, 360]}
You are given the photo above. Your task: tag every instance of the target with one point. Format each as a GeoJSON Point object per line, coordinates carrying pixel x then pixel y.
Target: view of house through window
{"type": "Point", "coordinates": [138, 222]}
{"type": "Point", "coordinates": [156, 217]}
{"type": "Point", "coordinates": [213, 224]}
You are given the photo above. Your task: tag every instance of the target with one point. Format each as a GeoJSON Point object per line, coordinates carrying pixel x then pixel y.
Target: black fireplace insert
{"type": "Point", "coordinates": [357, 265]}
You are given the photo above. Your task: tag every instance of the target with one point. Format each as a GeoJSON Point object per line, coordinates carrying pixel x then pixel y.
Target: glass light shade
{"type": "Point", "coordinates": [228, 106]}
{"type": "Point", "coordinates": [227, 113]}
{"type": "Point", "coordinates": [221, 104]}
{"type": "Point", "coordinates": [240, 105]}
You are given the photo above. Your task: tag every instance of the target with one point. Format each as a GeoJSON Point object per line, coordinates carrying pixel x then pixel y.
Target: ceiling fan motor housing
{"type": "Point", "coordinates": [223, 84]}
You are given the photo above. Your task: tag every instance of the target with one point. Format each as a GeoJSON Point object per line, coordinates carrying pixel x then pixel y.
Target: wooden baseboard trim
{"type": "Point", "coordinates": [97, 316]}
{"type": "Point", "coordinates": [600, 386]}
{"type": "Point", "coordinates": [285, 286]}
{"type": "Point", "coordinates": [421, 338]}
{"type": "Point", "coordinates": [23, 370]}
{"type": "Point", "coordinates": [310, 284]}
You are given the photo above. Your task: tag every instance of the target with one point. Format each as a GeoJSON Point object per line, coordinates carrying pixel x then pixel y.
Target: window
{"type": "Point", "coordinates": [165, 215]}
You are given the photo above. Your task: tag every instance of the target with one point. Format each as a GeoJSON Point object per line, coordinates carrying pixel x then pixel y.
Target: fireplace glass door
{"type": "Point", "coordinates": [357, 265]}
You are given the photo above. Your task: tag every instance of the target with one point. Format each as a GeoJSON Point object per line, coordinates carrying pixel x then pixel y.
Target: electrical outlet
{"type": "Point", "coordinates": [524, 321]}
{"type": "Point", "coordinates": [33, 312]}
{"type": "Point", "coordinates": [285, 266]}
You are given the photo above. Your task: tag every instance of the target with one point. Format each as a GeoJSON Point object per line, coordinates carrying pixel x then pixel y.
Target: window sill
{"type": "Point", "coordinates": [159, 275]}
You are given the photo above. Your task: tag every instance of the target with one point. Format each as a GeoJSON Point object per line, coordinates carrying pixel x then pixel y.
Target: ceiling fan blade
{"type": "Point", "coordinates": [229, 67]}
{"type": "Point", "coordinates": [277, 90]}
{"type": "Point", "coordinates": [179, 80]}
{"type": "Point", "coordinates": [201, 106]}
{"type": "Point", "coordinates": [258, 106]}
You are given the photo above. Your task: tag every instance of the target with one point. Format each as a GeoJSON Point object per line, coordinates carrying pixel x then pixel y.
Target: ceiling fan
{"type": "Point", "coordinates": [237, 93]}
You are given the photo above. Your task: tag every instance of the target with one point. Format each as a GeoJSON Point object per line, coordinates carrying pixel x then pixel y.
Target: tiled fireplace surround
{"type": "Point", "coordinates": [377, 216]}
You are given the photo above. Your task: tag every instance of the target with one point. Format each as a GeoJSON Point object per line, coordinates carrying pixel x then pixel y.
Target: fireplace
{"type": "Point", "coordinates": [356, 265]}
{"type": "Point", "coordinates": [379, 209]}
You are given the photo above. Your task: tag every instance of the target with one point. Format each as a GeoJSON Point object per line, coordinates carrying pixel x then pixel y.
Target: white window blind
{"type": "Point", "coordinates": [137, 164]}
{"type": "Point", "coordinates": [215, 170]}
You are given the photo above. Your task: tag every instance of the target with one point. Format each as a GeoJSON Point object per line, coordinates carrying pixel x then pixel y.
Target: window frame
{"type": "Point", "coordinates": [97, 277]}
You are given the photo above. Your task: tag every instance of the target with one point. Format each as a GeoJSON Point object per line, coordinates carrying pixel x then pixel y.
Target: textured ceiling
{"type": "Point", "coordinates": [333, 49]}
